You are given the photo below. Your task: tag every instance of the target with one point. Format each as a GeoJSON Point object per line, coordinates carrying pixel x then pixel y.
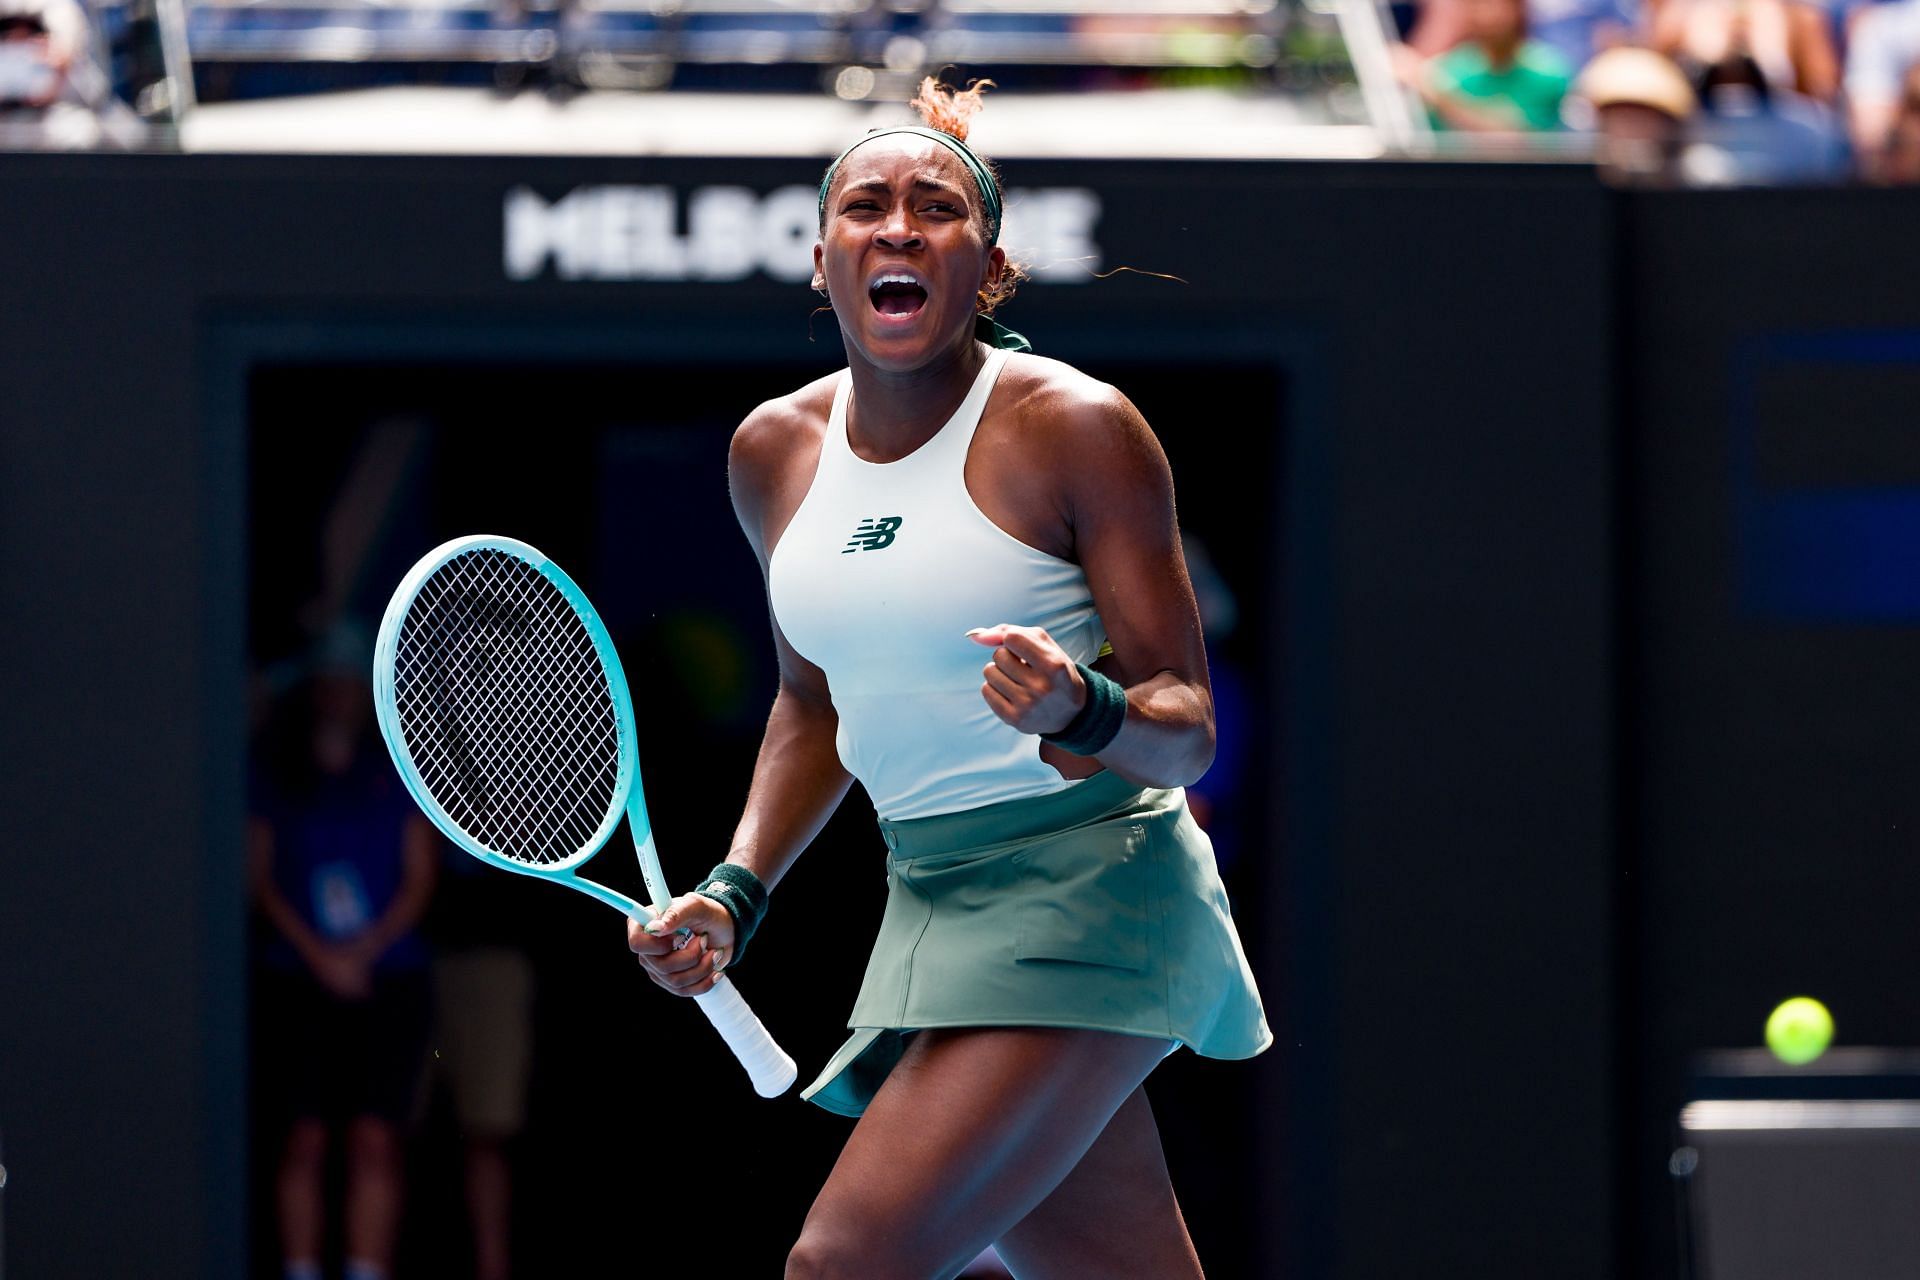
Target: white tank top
{"type": "Point", "coordinates": [876, 581]}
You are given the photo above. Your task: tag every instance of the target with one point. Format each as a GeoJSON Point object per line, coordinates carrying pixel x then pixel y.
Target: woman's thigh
{"type": "Point", "coordinates": [972, 1130]}
{"type": "Point", "coordinates": [1114, 1216]}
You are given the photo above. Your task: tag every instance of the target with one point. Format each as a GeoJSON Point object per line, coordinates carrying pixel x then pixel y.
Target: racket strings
{"type": "Point", "coordinates": [535, 734]}
{"type": "Point", "coordinates": [508, 744]}
{"type": "Point", "coordinates": [529, 738]}
{"type": "Point", "coordinates": [504, 705]}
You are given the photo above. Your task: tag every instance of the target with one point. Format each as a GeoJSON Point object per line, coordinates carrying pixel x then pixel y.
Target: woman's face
{"type": "Point", "coordinates": [904, 251]}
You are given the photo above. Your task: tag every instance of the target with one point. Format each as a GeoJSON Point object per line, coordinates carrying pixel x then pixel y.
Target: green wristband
{"type": "Point", "coordinates": [1098, 722]}
{"type": "Point", "coordinates": [745, 898]}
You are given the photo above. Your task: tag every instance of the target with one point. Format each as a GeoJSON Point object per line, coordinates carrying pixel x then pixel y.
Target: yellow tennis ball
{"type": "Point", "coordinates": [1799, 1030]}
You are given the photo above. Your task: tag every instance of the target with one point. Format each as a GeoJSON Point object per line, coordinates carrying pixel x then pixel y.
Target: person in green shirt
{"type": "Point", "coordinates": [1496, 80]}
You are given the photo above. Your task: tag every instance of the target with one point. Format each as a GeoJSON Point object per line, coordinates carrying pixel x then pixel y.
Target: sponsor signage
{"type": "Point", "coordinates": [666, 233]}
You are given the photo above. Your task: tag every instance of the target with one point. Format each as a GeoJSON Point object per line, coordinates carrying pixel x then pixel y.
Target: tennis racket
{"type": "Point", "coordinates": [505, 709]}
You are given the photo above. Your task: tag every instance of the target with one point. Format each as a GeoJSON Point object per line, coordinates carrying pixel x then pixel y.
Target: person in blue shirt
{"type": "Point", "coordinates": [341, 866]}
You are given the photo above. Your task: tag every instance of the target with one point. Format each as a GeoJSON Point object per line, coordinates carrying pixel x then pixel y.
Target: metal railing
{"type": "Point", "coordinates": [1064, 33]}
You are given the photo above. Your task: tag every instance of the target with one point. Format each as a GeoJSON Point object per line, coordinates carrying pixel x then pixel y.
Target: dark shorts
{"type": "Point", "coordinates": [335, 1059]}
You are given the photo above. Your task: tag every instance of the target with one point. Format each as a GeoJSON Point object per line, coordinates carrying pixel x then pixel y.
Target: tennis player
{"type": "Point", "coordinates": [982, 613]}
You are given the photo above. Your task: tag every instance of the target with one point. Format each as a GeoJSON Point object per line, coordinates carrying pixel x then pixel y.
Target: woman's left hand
{"type": "Point", "coordinates": [1031, 683]}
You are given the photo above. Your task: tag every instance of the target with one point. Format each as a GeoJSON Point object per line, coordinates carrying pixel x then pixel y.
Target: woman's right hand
{"type": "Point", "coordinates": [685, 948]}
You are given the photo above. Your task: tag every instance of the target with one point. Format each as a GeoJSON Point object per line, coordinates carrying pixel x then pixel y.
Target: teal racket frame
{"type": "Point", "coordinates": [628, 796]}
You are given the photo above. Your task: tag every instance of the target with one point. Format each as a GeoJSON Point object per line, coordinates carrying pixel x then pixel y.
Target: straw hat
{"type": "Point", "coordinates": [1637, 77]}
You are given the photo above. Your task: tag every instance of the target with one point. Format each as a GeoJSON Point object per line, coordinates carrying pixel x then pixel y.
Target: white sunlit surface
{"type": "Point", "coordinates": [429, 121]}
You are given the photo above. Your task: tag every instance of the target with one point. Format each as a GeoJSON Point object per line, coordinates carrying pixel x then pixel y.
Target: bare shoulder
{"type": "Point", "coordinates": [777, 426]}
{"type": "Point", "coordinates": [773, 454]}
{"type": "Point", "coordinates": [1073, 415]}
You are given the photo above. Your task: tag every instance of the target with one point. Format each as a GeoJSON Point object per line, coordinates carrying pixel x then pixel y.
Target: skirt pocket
{"type": "Point", "coordinates": [1086, 897]}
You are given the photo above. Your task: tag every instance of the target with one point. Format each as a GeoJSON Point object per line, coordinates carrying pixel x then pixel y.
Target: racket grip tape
{"type": "Point", "coordinates": [768, 1065]}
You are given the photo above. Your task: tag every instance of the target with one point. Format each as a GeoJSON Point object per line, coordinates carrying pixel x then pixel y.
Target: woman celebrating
{"type": "Point", "coordinates": [982, 613]}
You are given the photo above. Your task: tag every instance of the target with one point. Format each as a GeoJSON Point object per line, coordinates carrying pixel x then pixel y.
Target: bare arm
{"type": "Point", "coordinates": [798, 780]}
{"type": "Point", "coordinates": [1417, 73]}
{"type": "Point", "coordinates": [273, 904]}
{"type": "Point", "coordinates": [1473, 117]}
{"type": "Point", "coordinates": [1119, 500]}
{"type": "Point", "coordinates": [1871, 122]}
{"type": "Point", "coordinates": [1816, 61]}
{"type": "Point", "coordinates": [1873, 83]}
{"type": "Point", "coordinates": [1437, 27]}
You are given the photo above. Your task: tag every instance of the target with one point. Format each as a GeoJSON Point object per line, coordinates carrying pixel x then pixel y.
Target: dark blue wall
{"type": "Point", "coordinates": [1445, 915]}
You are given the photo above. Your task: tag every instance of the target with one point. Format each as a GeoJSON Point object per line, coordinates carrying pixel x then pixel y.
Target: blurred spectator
{"type": "Point", "coordinates": [1578, 29]}
{"type": "Point", "coordinates": [1900, 157]}
{"type": "Point", "coordinates": [52, 92]}
{"type": "Point", "coordinates": [1642, 106]}
{"type": "Point", "coordinates": [1750, 133]}
{"type": "Point", "coordinates": [1791, 42]}
{"type": "Point", "coordinates": [1884, 46]}
{"type": "Point", "coordinates": [341, 867]}
{"type": "Point", "coordinates": [1496, 80]}
{"type": "Point", "coordinates": [483, 1005]}
{"type": "Point", "coordinates": [1575, 29]}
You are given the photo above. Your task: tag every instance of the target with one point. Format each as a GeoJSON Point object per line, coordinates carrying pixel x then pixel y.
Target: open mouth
{"type": "Point", "coordinates": [897, 295]}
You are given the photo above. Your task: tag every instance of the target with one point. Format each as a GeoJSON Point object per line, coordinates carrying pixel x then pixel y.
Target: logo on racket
{"type": "Point", "coordinates": [873, 535]}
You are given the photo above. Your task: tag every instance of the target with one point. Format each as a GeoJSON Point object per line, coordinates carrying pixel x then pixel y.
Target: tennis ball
{"type": "Point", "coordinates": [1799, 1030]}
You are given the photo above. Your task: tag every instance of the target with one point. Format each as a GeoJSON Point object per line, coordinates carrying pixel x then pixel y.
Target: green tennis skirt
{"type": "Point", "coordinates": [1096, 907]}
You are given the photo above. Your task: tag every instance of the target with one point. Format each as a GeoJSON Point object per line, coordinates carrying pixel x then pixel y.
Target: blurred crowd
{"type": "Point", "coordinates": [54, 90]}
{"type": "Point", "coordinates": [1693, 92]}
{"type": "Point", "coordinates": [1696, 92]}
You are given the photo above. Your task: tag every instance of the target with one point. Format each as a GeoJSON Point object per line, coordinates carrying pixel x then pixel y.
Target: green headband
{"type": "Point", "coordinates": [982, 176]}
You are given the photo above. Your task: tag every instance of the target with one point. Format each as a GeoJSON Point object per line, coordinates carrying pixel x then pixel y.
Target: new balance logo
{"type": "Point", "coordinates": [873, 535]}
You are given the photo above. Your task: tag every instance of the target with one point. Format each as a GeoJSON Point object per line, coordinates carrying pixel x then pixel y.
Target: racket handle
{"type": "Point", "coordinates": [771, 1070]}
